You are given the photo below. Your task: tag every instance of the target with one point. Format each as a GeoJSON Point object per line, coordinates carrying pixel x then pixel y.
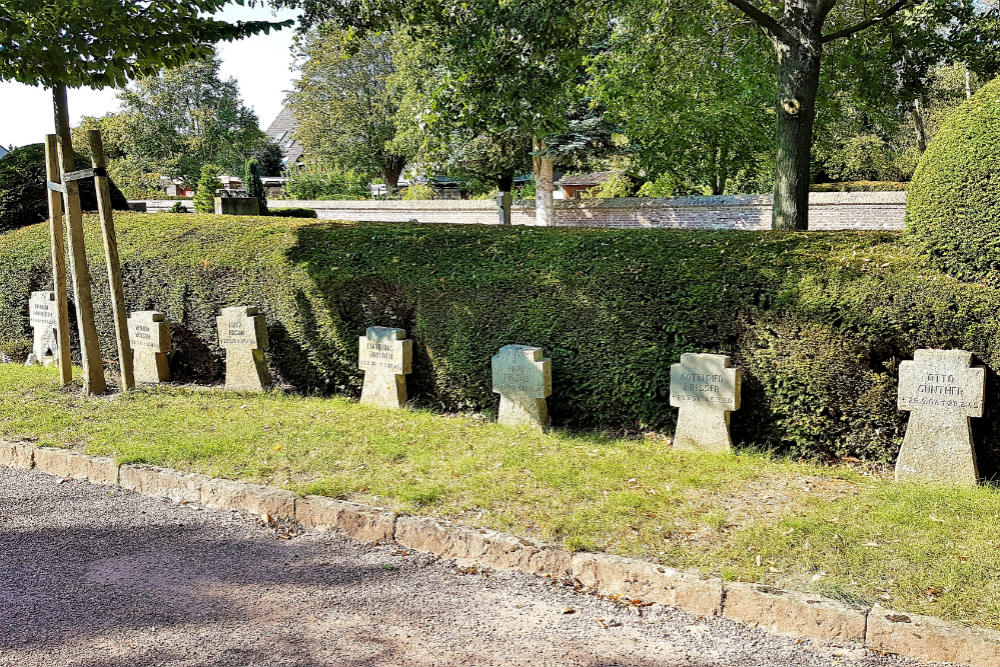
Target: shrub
{"type": "Point", "coordinates": [861, 186]}
{"type": "Point", "coordinates": [178, 207]}
{"type": "Point", "coordinates": [418, 192]}
{"type": "Point", "coordinates": [253, 184]}
{"type": "Point", "coordinates": [23, 192]}
{"type": "Point", "coordinates": [953, 209]}
{"type": "Point", "coordinates": [819, 321]}
{"type": "Point", "coordinates": [293, 213]}
{"type": "Point", "coordinates": [334, 184]}
{"type": "Point", "coordinates": [208, 184]}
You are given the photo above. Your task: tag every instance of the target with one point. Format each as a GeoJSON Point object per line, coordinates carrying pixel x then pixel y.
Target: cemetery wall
{"type": "Point", "coordinates": [828, 211]}
{"type": "Point", "coordinates": [818, 322]}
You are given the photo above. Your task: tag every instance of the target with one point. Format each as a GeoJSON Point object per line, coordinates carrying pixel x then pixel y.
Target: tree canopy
{"type": "Point", "coordinates": [102, 43]}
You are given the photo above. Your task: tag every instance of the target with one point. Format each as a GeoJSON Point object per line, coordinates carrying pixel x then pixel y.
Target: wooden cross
{"type": "Point", "coordinates": [523, 378]}
{"type": "Point", "coordinates": [706, 389]}
{"type": "Point", "coordinates": [941, 390]}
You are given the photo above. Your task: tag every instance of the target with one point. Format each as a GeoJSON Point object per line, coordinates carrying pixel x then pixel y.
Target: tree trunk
{"type": "Point", "coordinates": [545, 214]}
{"type": "Point", "coordinates": [391, 173]}
{"type": "Point", "coordinates": [918, 125]}
{"type": "Point", "coordinates": [968, 84]}
{"type": "Point", "coordinates": [798, 81]}
{"type": "Point", "coordinates": [720, 172]}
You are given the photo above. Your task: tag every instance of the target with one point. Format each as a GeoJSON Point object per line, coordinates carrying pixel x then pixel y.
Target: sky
{"type": "Point", "coordinates": [261, 65]}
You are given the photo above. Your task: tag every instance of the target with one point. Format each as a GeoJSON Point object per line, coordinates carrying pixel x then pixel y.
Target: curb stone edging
{"type": "Point", "coordinates": [787, 613]}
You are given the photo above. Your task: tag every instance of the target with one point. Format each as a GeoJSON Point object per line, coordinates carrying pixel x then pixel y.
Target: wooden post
{"type": "Point", "coordinates": [58, 241]}
{"type": "Point", "coordinates": [90, 350]}
{"type": "Point", "coordinates": [111, 255]}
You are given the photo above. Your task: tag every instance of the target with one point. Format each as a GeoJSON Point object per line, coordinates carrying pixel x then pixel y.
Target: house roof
{"type": "Point", "coordinates": [3, 151]}
{"type": "Point", "coordinates": [282, 131]}
{"type": "Point", "coordinates": [593, 178]}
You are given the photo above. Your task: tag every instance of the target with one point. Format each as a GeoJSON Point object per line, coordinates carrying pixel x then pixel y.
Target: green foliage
{"type": "Point", "coordinates": [253, 184]}
{"type": "Point", "coordinates": [664, 185]}
{"type": "Point", "coordinates": [23, 192]}
{"type": "Point", "coordinates": [419, 192]}
{"type": "Point", "coordinates": [101, 43]}
{"type": "Point", "coordinates": [344, 105]}
{"type": "Point", "coordinates": [208, 184]}
{"type": "Point", "coordinates": [819, 321]}
{"type": "Point", "coordinates": [861, 186]}
{"type": "Point", "coordinates": [330, 184]}
{"type": "Point", "coordinates": [292, 212]}
{"type": "Point", "coordinates": [178, 207]}
{"type": "Point", "coordinates": [953, 209]}
{"type": "Point", "coordinates": [178, 120]}
{"type": "Point", "coordinates": [618, 185]}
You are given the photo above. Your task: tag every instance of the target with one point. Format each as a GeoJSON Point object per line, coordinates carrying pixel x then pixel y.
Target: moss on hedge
{"type": "Point", "coordinates": [819, 321]}
{"type": "Point", "coordinates": [953, 208]}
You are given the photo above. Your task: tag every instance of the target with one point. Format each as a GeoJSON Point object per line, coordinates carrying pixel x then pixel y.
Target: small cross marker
{"type": "Point", "coordinates": [942, 390]}
{"type": "Point", "coordinates": [706, 389]}
{"type": "Point", "coordinates": [243, 335]}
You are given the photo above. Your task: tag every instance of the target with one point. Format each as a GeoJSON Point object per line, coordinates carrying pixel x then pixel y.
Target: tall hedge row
{"type": "Point", "coordinates": [819, 321]}
{"type": "Point", "coordinates": [953, 207]}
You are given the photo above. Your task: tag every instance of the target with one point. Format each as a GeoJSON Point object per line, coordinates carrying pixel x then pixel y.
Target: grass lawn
{"type": "Point", "coordinates": [749, 516]}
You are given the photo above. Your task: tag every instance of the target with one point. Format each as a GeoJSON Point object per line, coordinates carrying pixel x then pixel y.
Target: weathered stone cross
{"type": "Point", "coordinates": [942, 390]}
{"type": "Point", "coordinates": [386, 357]}
{"type": "Point", "coordinates": [44, 321]}
{"type": "Point", "coordinates": [243, 335]}
{"type": "Point", "coordinates": [149, 335]}
{"type": "Point", "coordinates": [706, 389]}
{"type": "Point", "coordinates": [523, 378]}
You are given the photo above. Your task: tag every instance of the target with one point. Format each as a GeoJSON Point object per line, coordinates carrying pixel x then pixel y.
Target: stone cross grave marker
{"type": "Point", "coordinates": [942, 390]}
{"type": "Point", "coordinates": [44, 319]}
{"type": "Point", "coordinates": [386, 357]}
{"type": "Point", "coordinates": [523, 378]}
{"type": "Point", "coordinates": [149, 335]}
{"type": "Point", "coordinates": [706, 389]}
{"type": "Point", "coordinates": [243, 335]}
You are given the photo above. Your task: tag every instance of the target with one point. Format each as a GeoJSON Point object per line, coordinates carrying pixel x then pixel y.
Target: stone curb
{"type": "Point", "coordinates": [777, 611]}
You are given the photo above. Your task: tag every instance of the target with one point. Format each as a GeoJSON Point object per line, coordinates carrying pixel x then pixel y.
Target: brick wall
{"type": "Point", "coordinates": [827, 211]}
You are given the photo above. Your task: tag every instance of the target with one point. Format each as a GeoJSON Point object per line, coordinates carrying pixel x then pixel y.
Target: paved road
{"type": "Point", "coordinates": [97, 576]}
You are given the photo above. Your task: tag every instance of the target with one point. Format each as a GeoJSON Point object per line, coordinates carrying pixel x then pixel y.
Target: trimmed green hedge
{"type": "Point", "coordinates": [819, 321]}
{"type": "Point", "coordinates": [292, 213]}
{"type": "Point", "coordinates": [953, 208]}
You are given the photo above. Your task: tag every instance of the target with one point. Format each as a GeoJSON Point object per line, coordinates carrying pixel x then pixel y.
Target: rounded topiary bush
{"type": "Point", "coordinates": [953, 207]}
{"type": "Point", "coordinates": [23, 195]}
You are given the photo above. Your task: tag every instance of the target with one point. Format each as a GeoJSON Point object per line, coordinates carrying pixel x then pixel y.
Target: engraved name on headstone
{"type": "Point", "coordinates": [706, 389]}
{"type": "Point", "coordinates": [149, 334]}
{"type": "Point", "coordinates": [44, 321]}
{"type": "Point", "coordinates": [243, 335]}
{"type": "Point", "coordinates": [942, 390]}
{"type": "Point", "coordinates": [386, 357]}
{"type": "Point", "coordinates": [523, 378]}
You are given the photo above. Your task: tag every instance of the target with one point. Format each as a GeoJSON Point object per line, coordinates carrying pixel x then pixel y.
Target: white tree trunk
{"type": "Point", "coordinates": [544, 206]}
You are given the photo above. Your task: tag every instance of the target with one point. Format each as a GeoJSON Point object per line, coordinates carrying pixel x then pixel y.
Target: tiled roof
{"type": "Point", "coordinates": [282, 131]}
{"type": "Point", "coordinates": [595, 178]}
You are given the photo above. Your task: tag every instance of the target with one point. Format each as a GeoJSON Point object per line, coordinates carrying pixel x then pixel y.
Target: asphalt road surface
{"type": "Point", "coordinates": [100, 576]}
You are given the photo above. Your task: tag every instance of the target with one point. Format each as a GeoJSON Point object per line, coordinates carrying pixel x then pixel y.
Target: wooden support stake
{"type": "Point", "coordinates": [90, 349]}
{"type": "Point", "coordinates": [57, 240]}
{"type": "Point", "coordinates": [113, 261]}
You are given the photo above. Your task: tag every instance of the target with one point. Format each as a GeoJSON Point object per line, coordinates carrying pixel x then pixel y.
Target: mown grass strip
{"type": "Point", "coordinates": [748, 516]}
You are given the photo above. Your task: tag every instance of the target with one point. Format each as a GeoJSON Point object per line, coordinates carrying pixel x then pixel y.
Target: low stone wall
{"type": "Point", "coordinates": [828, 211]}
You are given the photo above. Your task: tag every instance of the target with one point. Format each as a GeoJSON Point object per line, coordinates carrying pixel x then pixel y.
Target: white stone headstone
{"type": "Point", "coordinates": [386, 357]}
{"type": "Point", "coordinates": [44, 321]}
{"type": "Point", "coordinates": [941, 389]}
{"type": "Point", "coordinates": [149, 334]}
{"type": "Point", "coordinates": [523, 378]}
{"type": "Point", "coordinates": [243, 335]}
{"type": "Point", "coordinates": [706, 389]}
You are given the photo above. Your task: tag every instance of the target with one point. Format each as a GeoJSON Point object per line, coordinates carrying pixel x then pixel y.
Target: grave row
{"type": "Point", "coordinates": [940, 388]}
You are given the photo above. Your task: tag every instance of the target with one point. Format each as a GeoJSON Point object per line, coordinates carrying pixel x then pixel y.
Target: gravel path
{"type": "Point", "coordinates": [98, 576]}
